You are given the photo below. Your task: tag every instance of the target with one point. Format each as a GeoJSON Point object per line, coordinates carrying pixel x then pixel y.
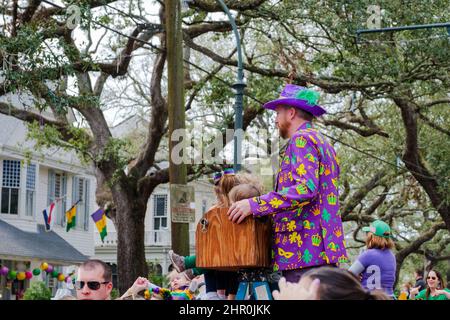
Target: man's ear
{"type": "Point", "coordinates": [292, 113]}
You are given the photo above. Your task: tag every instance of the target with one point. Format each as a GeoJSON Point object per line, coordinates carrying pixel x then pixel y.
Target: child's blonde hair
{"type": "Point", "coordinates": [250, 179]}
{"type": "Point", "coordinates": [243, 191]}
{"type": "Point", "coordinates": [229, 181]}
{"type": "Point", "coordinates": [223, 188]}
{"type": "Point", "coordinates": [174, 273]}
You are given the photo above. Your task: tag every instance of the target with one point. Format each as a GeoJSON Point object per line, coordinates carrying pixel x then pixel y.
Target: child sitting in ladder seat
{"type": "Point", "coordinates": [229, 188]}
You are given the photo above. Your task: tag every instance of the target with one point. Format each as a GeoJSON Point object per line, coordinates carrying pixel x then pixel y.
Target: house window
{"type": "Point", "coordinates": [57, 192]}
{"type": "Point", "coordinates": [80, 195]}
{"type": "Point", "coordinates": [30, 190]}
{"type": "Point", "coordinates": [159, 213]}
{"type": "Point", "coordinates": [10, 186]}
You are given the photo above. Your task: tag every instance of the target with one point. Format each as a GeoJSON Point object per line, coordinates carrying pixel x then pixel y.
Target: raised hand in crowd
{"type": "Point", "coordinates": [413, 292]}
{"type": "Point", "coordinates": [139, 285]}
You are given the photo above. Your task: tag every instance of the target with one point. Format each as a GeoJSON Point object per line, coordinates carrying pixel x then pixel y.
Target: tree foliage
{"type": "Point", "coordinates": [37, 291]}
{"type": "Point", "coordinates": [386, 93]}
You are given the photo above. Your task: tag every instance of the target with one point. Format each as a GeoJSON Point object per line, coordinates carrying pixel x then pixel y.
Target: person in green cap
{"type": "Point", "coordinates": [377, 264]}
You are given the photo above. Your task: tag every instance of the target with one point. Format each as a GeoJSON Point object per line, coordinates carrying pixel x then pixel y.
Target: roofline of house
{"type": "Point", "coordinates": [29, 258]}
{"type": "Point", "coordinates": [204, 182]}
{"type": "Point", "coordinates": [46, 161]}
{"type": "Point", "coordinates": [129, 118]}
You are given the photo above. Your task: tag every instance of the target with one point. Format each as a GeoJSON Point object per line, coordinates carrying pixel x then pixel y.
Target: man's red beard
{"type": "Point", "coordinates": [283, 130]}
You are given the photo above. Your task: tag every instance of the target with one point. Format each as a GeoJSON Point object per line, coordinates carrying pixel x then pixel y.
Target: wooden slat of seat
{"type": "Point", "coordinates": [229, 246]}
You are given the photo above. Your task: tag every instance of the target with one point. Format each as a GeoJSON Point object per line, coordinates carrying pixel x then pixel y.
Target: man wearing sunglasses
{"type": "Point", "coordinates": [94, 281]}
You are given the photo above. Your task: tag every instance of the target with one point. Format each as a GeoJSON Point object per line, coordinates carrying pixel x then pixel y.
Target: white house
{"type": "Point", "coordinates": [29, 182]}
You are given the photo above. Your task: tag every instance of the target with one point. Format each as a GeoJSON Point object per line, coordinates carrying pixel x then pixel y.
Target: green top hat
{"type": "Point", "coordinates": [379, 228]}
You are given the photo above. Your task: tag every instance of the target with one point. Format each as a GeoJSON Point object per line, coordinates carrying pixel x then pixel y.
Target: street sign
{"type": "Point", "coordinates": [182, 203]}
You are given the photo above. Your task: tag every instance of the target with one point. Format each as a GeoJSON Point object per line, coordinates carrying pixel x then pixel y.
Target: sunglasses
{"type": "Point", "coordinates": [93, 285]}
{"type": "Point", "coordinates": [432, 278]}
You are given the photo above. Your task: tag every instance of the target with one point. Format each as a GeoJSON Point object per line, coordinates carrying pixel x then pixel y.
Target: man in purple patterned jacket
{"type": "Point", "coordinates": [304, 207]}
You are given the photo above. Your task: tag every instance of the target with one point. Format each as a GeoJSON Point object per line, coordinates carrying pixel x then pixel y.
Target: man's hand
{"type": "Point", "coordinates": [239, 211]}
{"type": "Point", "coordinates": [414, 291]}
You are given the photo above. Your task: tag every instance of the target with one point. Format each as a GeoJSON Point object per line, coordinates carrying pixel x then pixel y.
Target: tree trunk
{"type": "Point", "coordinates": [412, 247]}
{"type": "Point", "coordinates": [398, 269]}
{"type": "Point", "coordinates": [130, 227]}
{"type": "Point", "coordinates": [413, 161]}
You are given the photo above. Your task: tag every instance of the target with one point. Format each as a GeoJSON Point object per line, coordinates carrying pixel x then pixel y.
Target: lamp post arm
{"type": "Point", "coordinates": [238, 39]}
{"type": "Point", "coordinates": [239, 86]}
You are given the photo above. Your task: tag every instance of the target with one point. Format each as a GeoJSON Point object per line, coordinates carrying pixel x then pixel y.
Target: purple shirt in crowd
{"type": "Point", "coordinates": [378, 269]}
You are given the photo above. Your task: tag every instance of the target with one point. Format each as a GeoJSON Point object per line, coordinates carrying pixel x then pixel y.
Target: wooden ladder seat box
{"type": "Point", "coordinates": [228, 246]}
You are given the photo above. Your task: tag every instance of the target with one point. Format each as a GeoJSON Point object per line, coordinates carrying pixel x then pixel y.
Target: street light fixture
{"type": "Point", "coordinates": [239, 87]}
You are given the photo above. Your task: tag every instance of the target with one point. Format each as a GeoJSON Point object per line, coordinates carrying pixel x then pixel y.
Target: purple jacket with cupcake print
{"type": "Point", "coordinates": [307, 226]}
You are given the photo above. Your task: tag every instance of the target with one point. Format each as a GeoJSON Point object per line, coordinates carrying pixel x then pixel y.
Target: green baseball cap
{"type": "Point", "coordinates": [379, 228]}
